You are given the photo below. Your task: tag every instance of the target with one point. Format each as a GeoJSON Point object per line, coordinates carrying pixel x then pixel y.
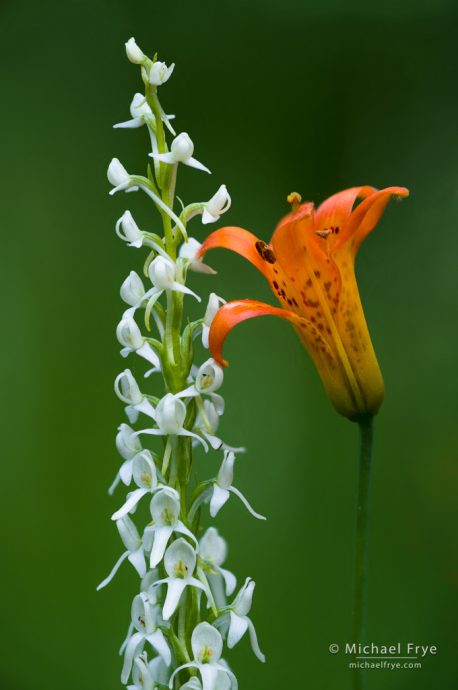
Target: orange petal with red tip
{"type": "Point", "coordinates": [233, 313]}
{"type": "Point", "coordinates": [240, 241]}
{"type": "Point", "coordinates": [366, 216]}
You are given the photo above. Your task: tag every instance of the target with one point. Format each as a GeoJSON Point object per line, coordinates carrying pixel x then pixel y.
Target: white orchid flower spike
{"type": "Point", "coordinates": [207, 647]}
{"type": "Point", "coordinates": [213, 550]}
{"type": "Point", "coordinates": [222, 488]}
{"type": "Point", "coordinates": [127, 390]}
{"type": "Point", "coordinates": [165, 510]}
{"type": "Point", "coordinates": [216, 206]}
{"type": "Point", "coordinates": [239, 622]}
{"type": "Point", "coordinates": [179, 562]}
{"type": "Point", "coordinates": [181, 151]}
{"type": "Point", "coordinates": [146, 620]}
{"type": "Point", "coordinates": [134, 550]}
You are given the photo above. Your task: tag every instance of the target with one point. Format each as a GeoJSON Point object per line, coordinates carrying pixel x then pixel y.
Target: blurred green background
{"type": "Point", "coordinates": [312, 96]}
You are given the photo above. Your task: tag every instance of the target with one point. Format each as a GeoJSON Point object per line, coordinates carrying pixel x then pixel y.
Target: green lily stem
{"type": "Point", "coordinates": [366, 428]}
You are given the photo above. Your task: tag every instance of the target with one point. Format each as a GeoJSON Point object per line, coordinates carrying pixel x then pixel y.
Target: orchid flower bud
{"type": "Point", "coordinates": [129, 335]}
{"type": "Point", "coordinates": [226, 473]}
{"type": "Point", "coordinates": [133, 52]}
{"type": "Point", "coordinates": [218, 204]}
{"type": "Point", "coordinates": [244, 599]}
{"type": "Point", "coordinates": [130, 231]}
{"type": "Point", "coordinates": [126, 388]}
{"type": "Point", "coordinates": [117, 174]}
{"type": "Point", "coordinates": [209, 377]}
{"type": "Point", "coordinates": [162, 273]}
{"type": "Point", "coordinates": [127, 444]}
{"type": "Point", "coordinates": [170, 414]}
{"type": "Point", "coordinates": [132, 290]}
{"type": "Point", "coordinates": [139, 106]}
{"type": "Point", "coordinates": [182, 148]}
{"type": "Point", "coordinates": [160, 73]}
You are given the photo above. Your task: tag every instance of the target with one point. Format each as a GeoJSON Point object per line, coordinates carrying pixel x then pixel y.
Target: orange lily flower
{"type": "Point", "coordinates": [309, 264]}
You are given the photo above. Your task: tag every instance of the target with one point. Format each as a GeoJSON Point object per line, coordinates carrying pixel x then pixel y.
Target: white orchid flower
{"type": "Point", "coordinates": [142, 469]}
{"type": "Point", "coordinates": [140, 111]}
{"type": "Point", "coordinates": [188, 252]}
{"type": "Point", "coordinates": [160, 73]}
{"type": "Point", "coordinates": [239, 622]}
{"type": "Point", "coordinates": [127, 445]}
{"type": "Point", "coordinates": [181, 151]}
{"type": "Point", "coordinates": [207, 647]}
{"type": "Point", "coordinates": [127, 390]}
{"type": "Point", "coordinates": [146, 621]}
{"type": "Point", "coordinates": [162, 272]}
{"type": "Point", "coordinates": [129, 335]}
{"type": "Point", "coordinates": [213, 550]}
{"type": "Point", "coordinates": [216, 206]}
{"type": "Point", "coordinates": [214, 303]}
{"type": "Point", "coordinates": [208, 379]}
{"type": "Point", "coordinates": [119, 177]}
{"type": "Point", "coordinates": [134, 550]}
{"type": "Point", "coordinates": [165, 511]}
{"type": "Point", "coordinates": [222, 488]}
{"type": "Point", "coordinates": [179, 562]}
{"type": "Point", "coordinates": [142, 675]}
{"type": "Point", "coordinates": [169, 416]}
{"type": "Point", "coordinates": [132, 290]}
{"type": "Point", "coordinates": [133, 52]}
{"type": "Point", "coordinates": [128, 230]}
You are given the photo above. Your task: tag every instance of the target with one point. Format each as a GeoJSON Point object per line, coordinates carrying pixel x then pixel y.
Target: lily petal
{"type": "Point", "coordinates": [240, 241]}
{"type": "Point", "coordinates": [233, 313]}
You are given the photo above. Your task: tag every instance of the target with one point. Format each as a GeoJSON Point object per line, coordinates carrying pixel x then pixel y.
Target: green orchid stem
{"type": "Point", "coordinates": [366, 428]}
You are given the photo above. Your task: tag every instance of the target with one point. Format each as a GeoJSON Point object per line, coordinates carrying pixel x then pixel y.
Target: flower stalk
{"type": "Point", "coordinates": [181, 618]}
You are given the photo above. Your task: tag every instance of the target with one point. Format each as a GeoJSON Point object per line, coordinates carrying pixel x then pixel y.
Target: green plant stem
{"type": "Point", "coordinates": [366, 428]}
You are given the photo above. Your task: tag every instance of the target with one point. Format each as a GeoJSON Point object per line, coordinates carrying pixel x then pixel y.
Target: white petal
{"type": "Point", "coordinates": [115, 483]}
{"type": "Point", "coordinates": [162, 535]}
{"type": "Point", "coordinates": [133, 647]}
{"type": "Point", "coordinates": [229, 579]}
{"type": "Point", "coordinates": [208, 217]}
{"type": "Point", "coordinates": [178, 287]}
{"type": "Point", "coordinates": [126, 472]}
{"type": "Point", "coordinates": [238, 493]}
{"type": "Point", "coordinates": [137, 558]}
{"type": "Point", "coordinates": [175, 589]}
{"type": "Point", "coordinates": [218, 499]}
{"type": "Point", "coordinates": [192, 664]}
{"type": "Point", "coordinates": [114, 571]}
{"type": "Point", "coordinates": [185, 432]}
{"type": "Point", "coordinates": [237, 629]}
{"type": "Point", "coordinates": [180, 528]}
{"type": "Point", "coordinates": [157, 640]}
{"type": "Point", "coordinates": [254, 642]}
{"type": "Point", "coordinates": [164, 157]}
{"type": "Point", "coordinates": [130, 630]}
{"type": "Point", "coordinates": [146, 407]}
{"type": "Point", "coordinates": [193, 163]}
{"type": "Point", "coordinates": [129, 124]}
{"type": "Point", "coordinates": [147, 352]}
{"type": "Point", "coordinates": [209, 673]}
{"type": "Point", "coordinates": [132, 501]}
